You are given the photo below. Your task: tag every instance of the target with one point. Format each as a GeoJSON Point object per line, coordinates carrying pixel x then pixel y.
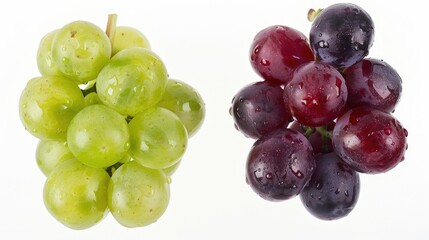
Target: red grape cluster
{"type": "Point", "coordinates": [322, 113]}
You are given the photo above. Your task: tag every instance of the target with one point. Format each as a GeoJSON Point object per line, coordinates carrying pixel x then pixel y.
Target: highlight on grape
{"type": "Point", "coordinates": [112, 125]}
{"type": "Point", "coordinates": [322, 112]}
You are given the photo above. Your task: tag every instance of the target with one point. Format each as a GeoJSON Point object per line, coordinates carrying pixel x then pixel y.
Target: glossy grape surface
{"type": "Point", "coordinates": [80, 49]}
{"type": "Point", "coordinates": [50, 153]}
{"type": "Point", "coordinates": [342, 34]}
{"type": "Point", "coordinates": [182, 99]}
{"type": "Point", "coordinates": [158, 138]}
{"type": "Point", "coordinates": [76, 195]}
{"type": "Point", "coordinates": [258, 109]}
{"type": "Point", "coordinates": [98, 136]}
{"type": "Point", "coordinates": [45, 63]}
{"type": "Point", "coordinates": [138, 196]}
{"type": "Point", "coordinates": [132, 81]}
{"type": "Point", "coordinates": [369, 140]}
{"type": "Point", "coordinates": [333, 189]}
{"type": "Point", "coordinates": [48, 104]}
{"type": "Point", "coordinates": [280, 164]}
{"type": "Point", "coordinates": [126, 37]}
{"type": "Point", "coordinates": [373, 83]}
{"type": "Point", "coordinates": [316, 95]}
{"type": "Point", "coordinates": [277, 51]}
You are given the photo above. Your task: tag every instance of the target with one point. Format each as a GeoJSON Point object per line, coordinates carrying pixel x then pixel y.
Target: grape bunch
{"type": "Point", "coordinates": [112, 126]}
{"type": "Point", "coordinates": [322, 113]}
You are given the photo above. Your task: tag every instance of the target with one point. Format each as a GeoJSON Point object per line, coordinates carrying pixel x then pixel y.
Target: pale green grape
{"type": "Point", "coordinates": [47, 105]}
{"type": "Point", "coordinates": [98, 136]}
{"type": "Point", "coordinates": [158, 138]}
{"type": "Point", "coordinates": [45, 62]}
{"type": "Point", "coordinates": [132, 81]}
{"type": "Point", "coordinates": [182, 99]}
{"type": "Point", "coordinates": [126, 37]}
{"type": "Point", "coordinates": [76, 195]}
{"type": "Point", "coordinates": [80, 49]}
{"type": "Point", "coordinates": [91, 99]}
{"type": "Point", "coordinates": [49, 153]}
{"type": "Point", "coordinates": [138, 196]}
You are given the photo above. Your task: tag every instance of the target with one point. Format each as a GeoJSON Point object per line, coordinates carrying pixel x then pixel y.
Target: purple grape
{"type": "Point", "coordinates": [316, 95]}
{"type": "Point", "coordinates": [342, 34]}
{"type": "Point", "coordinates": [374, 83]}
{"type": "Point", "coordinates": [333, 189]}
{"type": "Point", "coordinates": [280, 164]}
{"type": "Point", "coordinates": [277, 51]}
{"type": "Point", "coordinates": [369, 140]}
{"type": "Point", "coordinates": [258, 109]}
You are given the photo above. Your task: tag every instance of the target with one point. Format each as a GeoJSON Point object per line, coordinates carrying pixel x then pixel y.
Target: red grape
{"type": "Point", "coordinates": [316, 95]}
{"type": "Point", "coordinates": [372, 82]}
{"type": "Point", "coordinates": [277, 50]}
{"type": "Point", "coordinates": [280, 164]}
{"type": "Point", "coordinates": [369, 140]}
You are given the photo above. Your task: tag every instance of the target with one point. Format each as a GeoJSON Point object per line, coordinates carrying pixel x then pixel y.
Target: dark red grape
{"type": "Point", "coordinates": [342, 34]}
{"type": "Point", "coordinates": [333, 189]}
{"type": "Point", "coordinates": [316, 95]}
{"type": "Point", "coordinates": [258, 109]}
{"type": "Point", "coordinates": [277, 50]}
{"type": "Point", "coordinates": [369, 140]}
{"type": "Point", "coordinates": [280, 164]}
{"type": "Point", "coordinates": [374, 83]}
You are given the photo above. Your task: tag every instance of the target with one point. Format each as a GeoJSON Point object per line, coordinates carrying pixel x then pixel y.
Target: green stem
{"type": "Point", "coordinates": [312, 14]}
{"type": "Point", "coordinates": [111, 27]}
{"type": "Point", "coordinates": [326, 136]}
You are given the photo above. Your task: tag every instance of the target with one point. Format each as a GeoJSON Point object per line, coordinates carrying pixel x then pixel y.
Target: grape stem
{"type": "Point", "coordinates": [111, 27]}
{"type": "Point", "coordinates": [312, 14]}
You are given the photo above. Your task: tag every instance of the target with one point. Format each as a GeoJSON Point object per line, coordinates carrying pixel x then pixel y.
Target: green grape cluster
{"type": "Point", "coordinates": [112, 126]}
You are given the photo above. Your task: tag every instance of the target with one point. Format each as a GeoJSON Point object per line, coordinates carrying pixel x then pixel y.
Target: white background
{"type": "Point", "coordinates": [206, 43]}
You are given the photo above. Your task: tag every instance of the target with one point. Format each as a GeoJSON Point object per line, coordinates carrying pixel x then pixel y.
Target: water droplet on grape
{"type": "Point", "coordinates": [258, 109]}
{"type": "Point", "coordinates": [323, 44]}
{"type": "Point", "coordinates": [337, 191]}
{"type": "Point", "coordinates": [405, 132]}
{"type": "Point", "coordinates": [265, 62]}
{"type": "Point", "coordinates": [387, 130]}
{"type": "Point", "coordinates": [300, 85]}
{"type": "Point", "coordinates": [346, 193]}
{"type": "Point", "coordinates": [319, 185]}
{"type": "Point", "coordinates": [269, 176]}
{"type": "Point", "coordinates": [169, 180]}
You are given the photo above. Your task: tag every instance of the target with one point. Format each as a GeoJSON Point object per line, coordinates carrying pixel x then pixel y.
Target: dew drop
{"type": "Point", "coordinates": [337, 191]}
{"type": "Point", "coordinates": [387, 130]}
{"type": "Point", "coordinates": [300, 85]}
{"type": "Point", "coordinates": [346, 193]}
{"type": "Point", "coordinates": [319, 185]}
{"type": "Point", "coordinates": [265, 62]}
{"type": "Point", "coordinates": [269, 176]}
{"type": "Point", "coordinates": [405, 132]}
{"type": "Point", "coordinates": [258, 109]}
{"type": "Point", "coordinates": [323, 44]}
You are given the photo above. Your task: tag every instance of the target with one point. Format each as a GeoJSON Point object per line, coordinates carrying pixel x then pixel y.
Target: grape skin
{"type": "Point", "coordinates": [138, 196]}
{"type": "Point", "coordinates": [316, 95]}
{"type": "Point", "coordinates": [126, 37]}
{"type": "Point", "coordinates": [80, 49]}
{"type": "Point", "coordinates": [277, 51]}
{"type": "Point", "coordinates": [45, 63]}
{"type": "Point", "coordinates": [373, 83]}
{"type": "Point", "coordinates": [132, 81]}
{"type": "Point", "coordinates": [280, 164]}
{"type": "Point", "coordinates": [258, 109]}
{"type": "Point", "coordinates": [333, 189]}
{"type": "Point", "coordinates": [48, 104]}
{"type": "Point", "coordinates": [342, 34]}
{"type": "Point", "coordinates": [98, 136]}
{"type": "Point", "coordinates": [182, 99]}
{"type": "Point", "coordinates": [50, 153]}
{"type": "Point", "coordinates": [369, 140]}
{"type": "Point", "coordinates": [76, 195]}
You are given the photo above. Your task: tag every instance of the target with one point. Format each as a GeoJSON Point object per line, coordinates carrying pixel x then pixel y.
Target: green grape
{"type": "Point", "coordinates": [126, 37]}
{"type": "Point", "coordinates": [47, 105]}
{"type": "Point", "coordinates": [138, 196]}
{"type": "Point", "coordinates": [50, 153]}
{"type": "Point", "coordinates": [98, 136]}
{"type": "Point", "coordinates": [80, 49]}
{"type": "Point", "coordinates": [158, 138]}
{"type": "Point", "coordinates": [132, 81]}
{"type": "Point", "coordinates": [169, 171]}
{"type": "Point", "coordinates": [186, 103]}
{"type": "Point", "coordinates": [45, 62]}
{"type": "Point", "coordinates": [76, 195]}
{"type": "Point", "coordinates": [91, 99]}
